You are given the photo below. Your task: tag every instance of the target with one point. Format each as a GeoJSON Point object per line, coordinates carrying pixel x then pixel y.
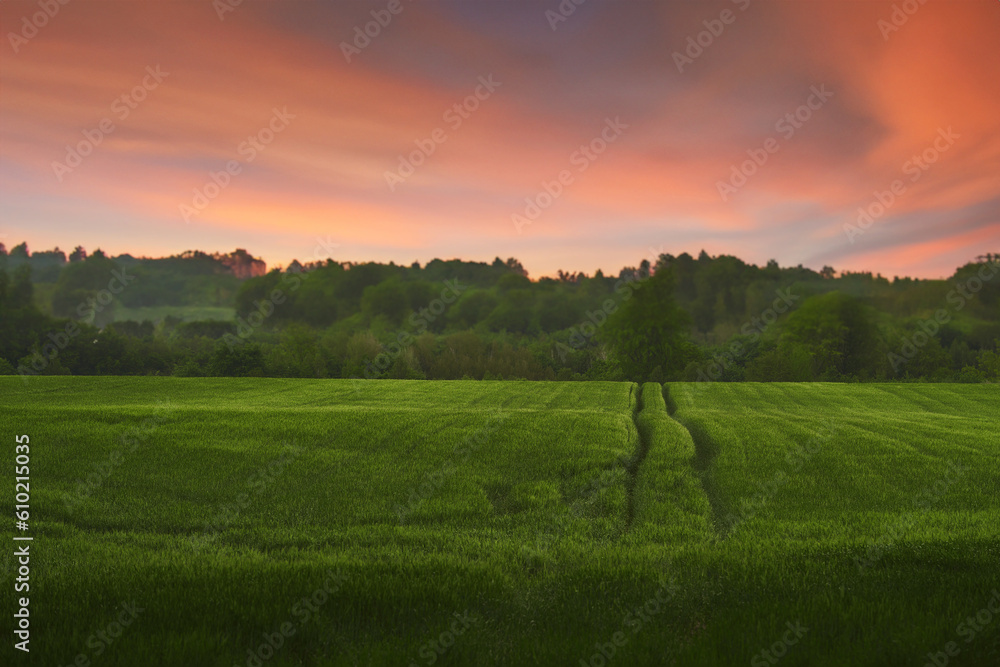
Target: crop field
{"type": "Point", "coordinates": [334, 522]}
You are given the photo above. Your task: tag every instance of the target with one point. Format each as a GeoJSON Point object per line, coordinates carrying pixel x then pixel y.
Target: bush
{"type": "Point", "coordinates": [244, 360]}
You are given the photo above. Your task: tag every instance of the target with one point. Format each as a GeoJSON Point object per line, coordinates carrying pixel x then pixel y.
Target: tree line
{"type": "Point", "coordinates": [681, 317]}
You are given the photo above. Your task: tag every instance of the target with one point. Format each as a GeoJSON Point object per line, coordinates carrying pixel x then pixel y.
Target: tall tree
{"type": "Point", "coordinates": [649, 330]}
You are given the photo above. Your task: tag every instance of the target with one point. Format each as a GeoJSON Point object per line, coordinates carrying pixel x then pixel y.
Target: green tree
{"type": "Point", "coordinates": [515, 312]}
{"type": "Point", "coordinates": [650, 330]}
{"type": "Point", "coordinates": [237, 361]}
{"type": "Point", "coordinates": [838, 333]}
{"type": "Point", "coordinates": [388, 300]}
{"type": "Point", "coordinates": [79, 287]}
{"type": "Point", "coordinates": [472, 308]}
{"type": "Point", "coordinates": [20, 252]}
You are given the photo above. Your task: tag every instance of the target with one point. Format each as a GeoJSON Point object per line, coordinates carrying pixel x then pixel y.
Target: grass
{"type": "Point", "coordinates": [370, 517]}
{"type": "Point", "coordinates": [865, 510]}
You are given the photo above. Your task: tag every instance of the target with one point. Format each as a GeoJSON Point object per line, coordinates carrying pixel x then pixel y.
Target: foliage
{"type": "Point", "coordinates": [649, 330]}
{"type": "Point", "coordinates": [695, 318]}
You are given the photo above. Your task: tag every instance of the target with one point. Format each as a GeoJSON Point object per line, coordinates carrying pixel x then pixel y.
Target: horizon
{"type": "Point", "coordinates": [423, 263]}
{"type": "Point", "coordinates": [865, 139]}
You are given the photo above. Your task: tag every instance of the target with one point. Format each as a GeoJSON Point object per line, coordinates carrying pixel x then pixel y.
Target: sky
{"type": "Point", "coordinates": [858, 134]}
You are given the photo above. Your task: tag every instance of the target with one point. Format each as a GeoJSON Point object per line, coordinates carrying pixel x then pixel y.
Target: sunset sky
{"type": "Point", "coordinates": [929, 88]}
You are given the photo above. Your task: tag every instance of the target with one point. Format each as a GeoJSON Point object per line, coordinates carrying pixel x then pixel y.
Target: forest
{"type": "Point", "coordinates": [684, 317]}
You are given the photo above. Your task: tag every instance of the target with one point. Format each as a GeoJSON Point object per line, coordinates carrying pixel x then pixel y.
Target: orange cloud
{"type": "Point", "coordinates": [327, 169]}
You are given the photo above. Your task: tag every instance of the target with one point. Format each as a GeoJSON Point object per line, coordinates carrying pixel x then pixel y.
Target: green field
{"type": "Point", "coordinates": [338, 522]}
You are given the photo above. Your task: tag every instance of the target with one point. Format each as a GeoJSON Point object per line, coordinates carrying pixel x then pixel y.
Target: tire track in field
{"type": "Point", "coordinates": [706, 449]}
{"type": "Point", "coordinates": [641, 450]}
{"type": "Point", "coordinates": [671, 403]}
